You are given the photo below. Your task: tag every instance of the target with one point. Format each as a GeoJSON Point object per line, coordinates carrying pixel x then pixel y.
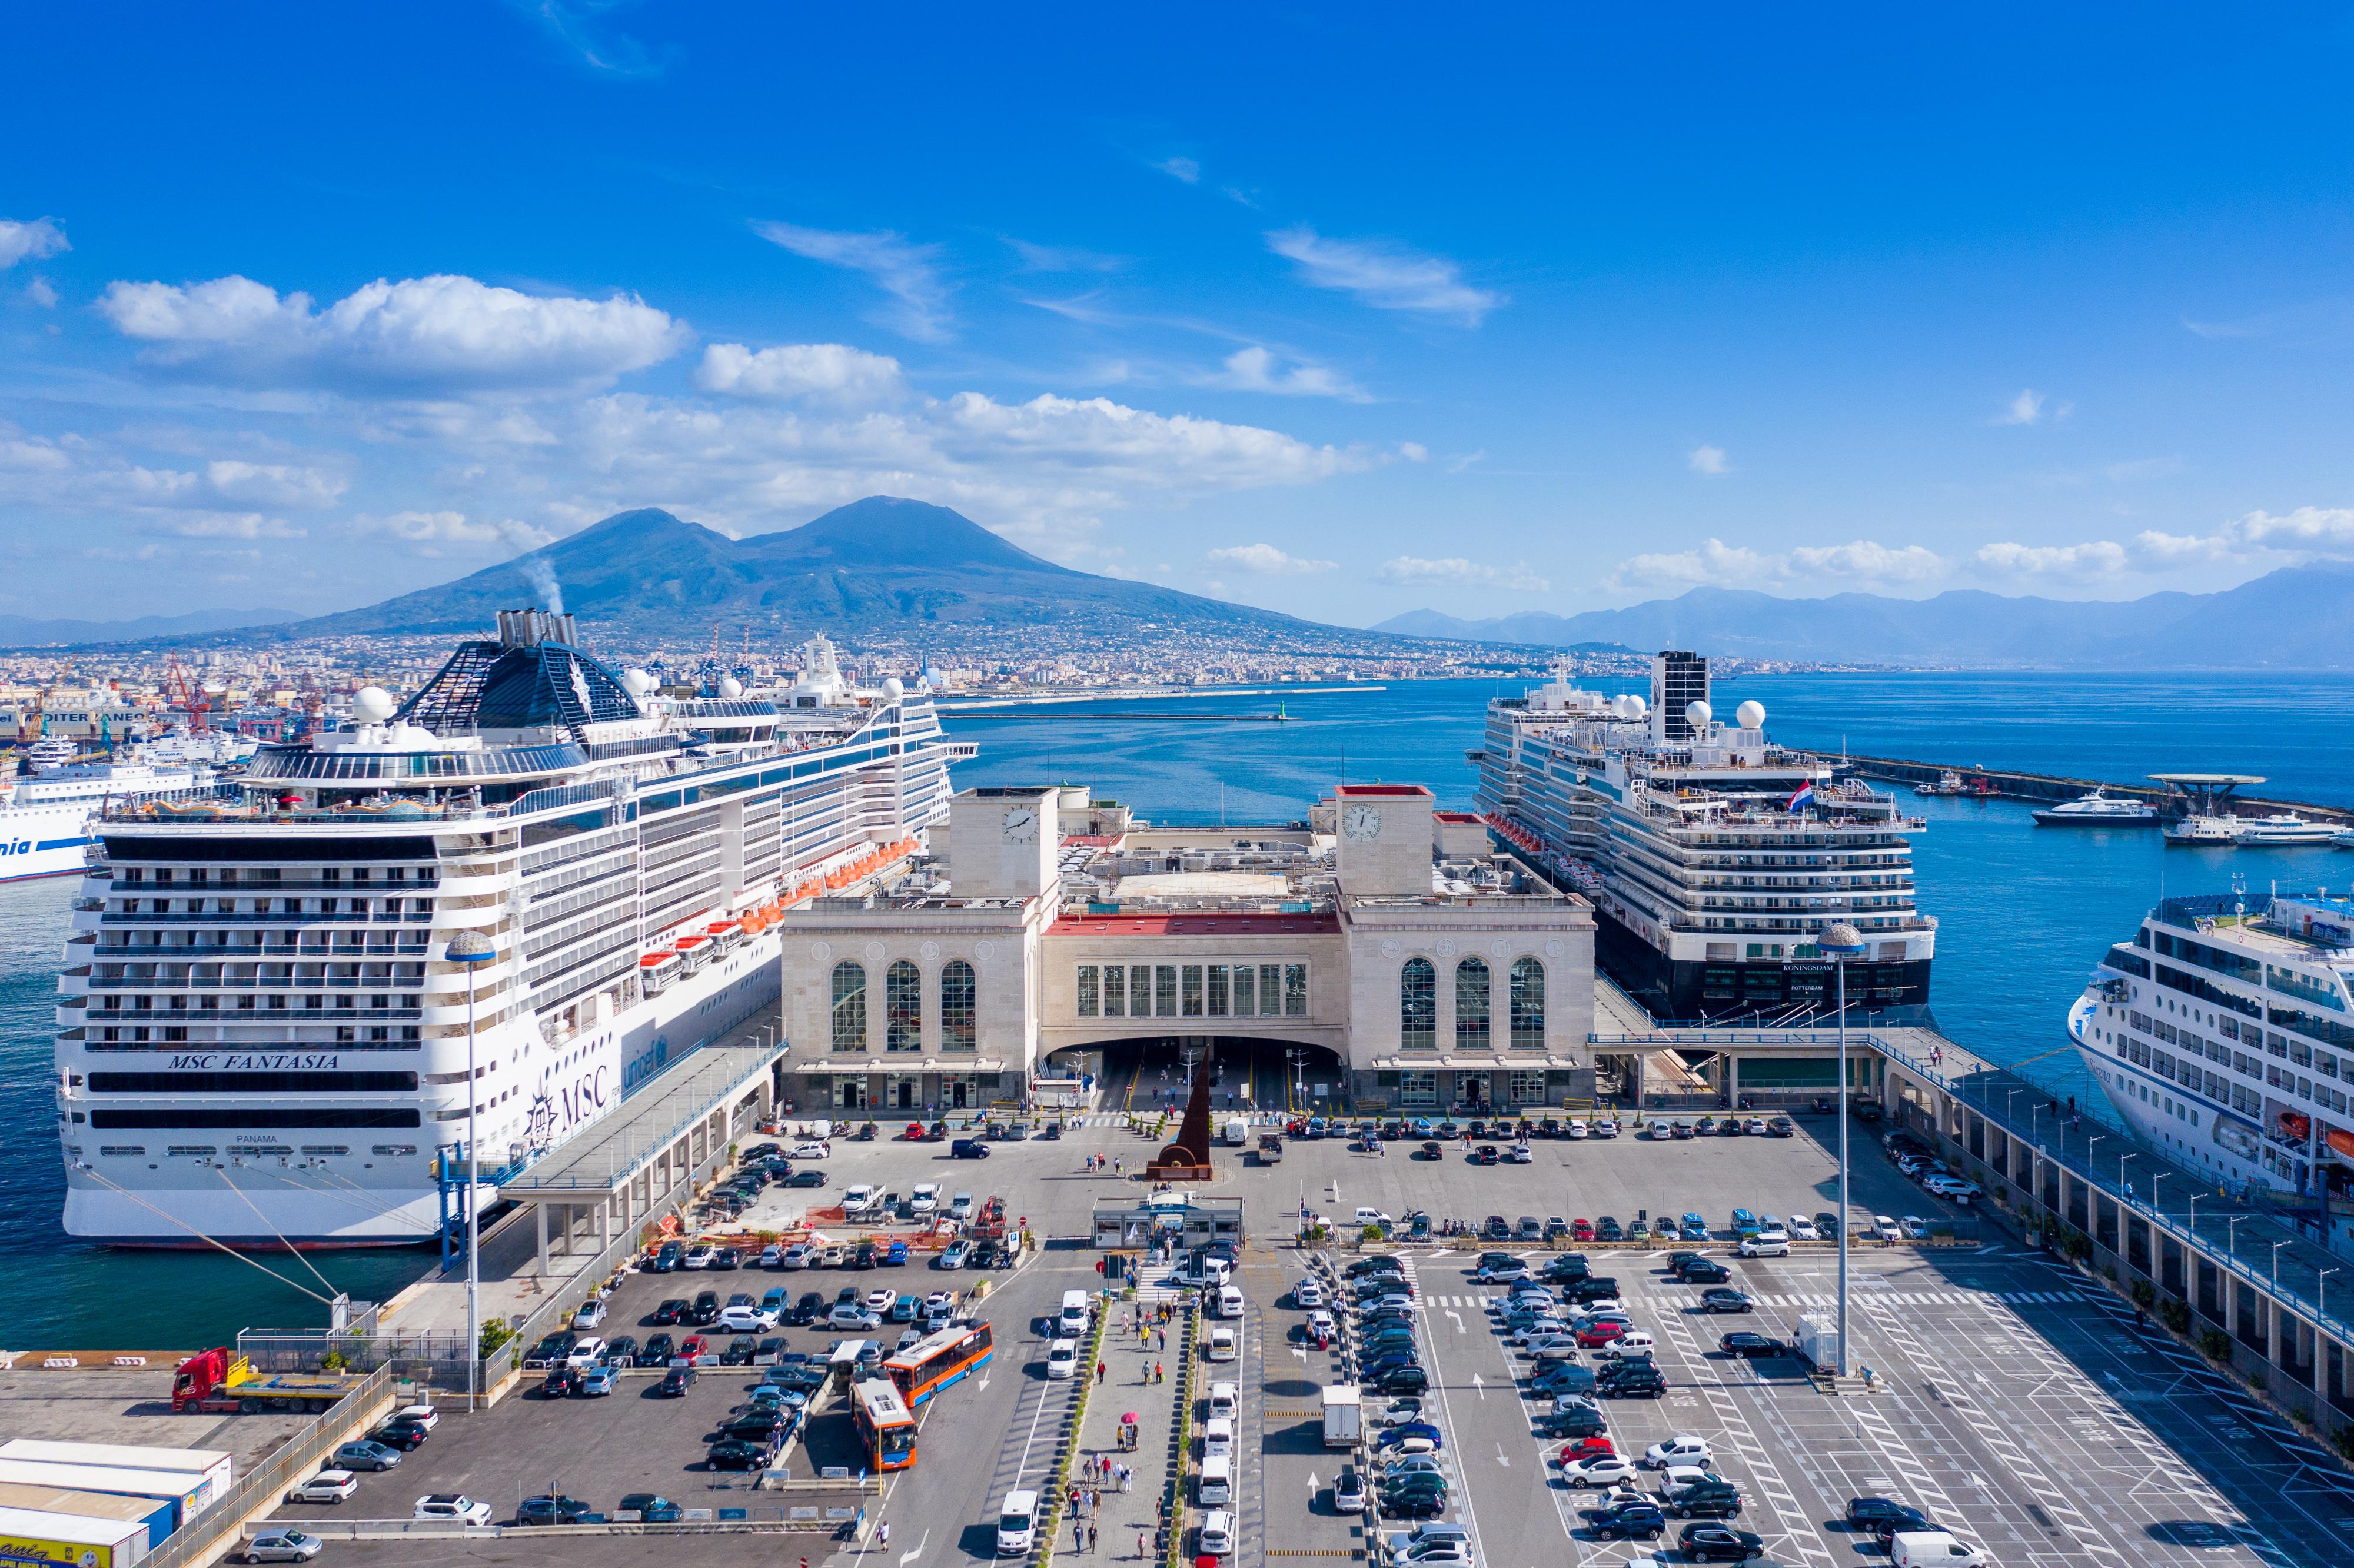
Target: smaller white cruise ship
{"type": "Point", "coordinates": [45, 813]}
{"type": "Point", "coordinates": [2224, 1032]}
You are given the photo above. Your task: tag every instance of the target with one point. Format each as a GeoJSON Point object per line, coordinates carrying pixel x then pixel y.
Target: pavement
{"type": "Point", "coordinates": [2018, 1402]}
{"type": "Point", "coordinates": [95, 1405]}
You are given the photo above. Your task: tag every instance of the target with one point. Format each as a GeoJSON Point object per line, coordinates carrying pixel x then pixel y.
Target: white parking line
{"type": "Point", "coordinates": [1764, 1472]}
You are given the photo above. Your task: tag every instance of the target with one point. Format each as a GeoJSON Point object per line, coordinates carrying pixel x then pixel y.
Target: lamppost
{"type": "Point", "coordinates": [472, 952]}
{"type": "Point", "coordinates": [2321, 1293]}
{"type": "Point", "coordinates": [2276, 1246]}
{"type": "Point", "coordinates": [1842, 942]}
{"type": "Point", "coordinates": [2232, 1235]}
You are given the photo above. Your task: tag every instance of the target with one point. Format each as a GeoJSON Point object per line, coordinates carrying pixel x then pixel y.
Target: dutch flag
{"type": "Point", "coordinates": [1803, 799]}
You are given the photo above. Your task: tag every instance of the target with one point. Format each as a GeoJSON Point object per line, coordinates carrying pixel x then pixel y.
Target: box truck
{"type": "Point", "coordinates": [1343, 1416]}
{"type": "Point", "coordinates": [1819, 1340]}
{"type": "Point", "coordinates": [71, 1541]}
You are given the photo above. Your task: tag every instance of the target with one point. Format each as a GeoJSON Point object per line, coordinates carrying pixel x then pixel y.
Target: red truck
{"type": "Point", "coordinates": [222, 1380]}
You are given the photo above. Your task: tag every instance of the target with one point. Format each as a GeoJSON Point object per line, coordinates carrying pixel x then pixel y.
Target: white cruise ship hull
{"type": "Point", "coordinates": [43, 840]}
{"type": "Point", "coordinates": [257, 1199]}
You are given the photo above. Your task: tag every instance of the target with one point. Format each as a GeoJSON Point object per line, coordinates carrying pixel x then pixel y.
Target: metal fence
{"type": "Point", "coordinates": [202, 1536]}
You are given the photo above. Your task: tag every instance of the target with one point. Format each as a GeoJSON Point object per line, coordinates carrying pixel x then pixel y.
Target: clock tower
{"type": "Point", "coordinates": [1002, 843]}
{"type": "Point", "coordinates": [1385, 839]}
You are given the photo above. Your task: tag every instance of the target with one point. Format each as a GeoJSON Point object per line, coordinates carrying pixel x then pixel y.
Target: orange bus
{"type": "Point", "coordinates": [883, 1424]}
{"type": "Point", "coordinates": [933, 1362]}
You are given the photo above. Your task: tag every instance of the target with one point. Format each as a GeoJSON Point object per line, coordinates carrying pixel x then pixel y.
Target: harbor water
{"type": "Point", "coordinates": [2022, 911]}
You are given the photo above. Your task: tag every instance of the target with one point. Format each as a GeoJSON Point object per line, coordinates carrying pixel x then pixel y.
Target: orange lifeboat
{"type": "Point", "coordinates": [2341, 1141]}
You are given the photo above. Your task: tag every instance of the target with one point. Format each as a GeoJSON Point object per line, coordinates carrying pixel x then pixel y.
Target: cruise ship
{"type": "Point", "coordinates": [1714, 857]}
{"type": "Point", "coordinates": [2223, 1031]}
{"type": "Point", "coordinates": [259, 1038]}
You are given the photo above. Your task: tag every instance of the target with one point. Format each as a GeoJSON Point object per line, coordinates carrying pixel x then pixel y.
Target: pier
{"type": "Point", "coordinates": [2047, 788]}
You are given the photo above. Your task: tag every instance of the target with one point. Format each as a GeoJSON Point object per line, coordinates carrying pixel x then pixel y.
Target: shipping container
{"type": "Point", "coordinates": [217, 1469]}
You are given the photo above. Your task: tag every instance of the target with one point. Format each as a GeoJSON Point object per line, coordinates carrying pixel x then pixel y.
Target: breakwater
{"type": "Point", "coordinates": [2042, 789]}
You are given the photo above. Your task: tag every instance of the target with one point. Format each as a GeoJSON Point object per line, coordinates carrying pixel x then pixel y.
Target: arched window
{"type": "Point", "coordinates": [960, 990]}
{"type": "Point", "coordinates": [903, 1008]}
{"type": "Point", "coordinates": [1418, 1005]}
{"type": "Point", "coordinates": [1528, 1005]}
{"type": "Point", "coordinates": [849, 1007]}
{"type": "Point", "coordinates": [1471, 1006]}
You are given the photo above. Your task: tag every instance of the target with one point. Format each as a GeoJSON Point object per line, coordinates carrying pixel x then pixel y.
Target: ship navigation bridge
{"type": "Point", "coordinates": [640, 1159]}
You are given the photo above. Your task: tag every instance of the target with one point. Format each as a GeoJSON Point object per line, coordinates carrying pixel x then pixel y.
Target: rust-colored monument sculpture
{"type": "Point", "coordinates": [1188, 1158]}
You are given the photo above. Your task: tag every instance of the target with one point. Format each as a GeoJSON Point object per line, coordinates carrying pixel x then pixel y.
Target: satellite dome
{"type": "Point", "coordinates": [637, 683]}
{"type": "Point", "coordinates": [372, 705]}
{"type": "Point", "coordinates": [1750, 715]}
{"type": "Point", "coordinates": [1635, 707]}
{"type": "Point", "coordinates": [1697, 715]}
{"type": "Point", "coordinates": [731, 688]}
{"type": "Point", "coordinates": [894, 689]}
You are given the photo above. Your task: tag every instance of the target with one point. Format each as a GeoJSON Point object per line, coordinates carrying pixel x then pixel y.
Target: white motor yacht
{"type": "Point", "coordinates": [2098, 810]}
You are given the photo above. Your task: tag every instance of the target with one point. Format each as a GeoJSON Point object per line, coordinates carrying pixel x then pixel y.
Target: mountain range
{"type": "Point", "coordinates": [878, 566]}
{"type": "Point", "coordinates": [2291, 619]}
{"type": "Point", "coordinates": [29, 632]}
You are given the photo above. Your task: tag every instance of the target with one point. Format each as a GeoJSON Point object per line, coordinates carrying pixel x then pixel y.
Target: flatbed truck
{"type": "Point", "coordinates": [221, 1381]}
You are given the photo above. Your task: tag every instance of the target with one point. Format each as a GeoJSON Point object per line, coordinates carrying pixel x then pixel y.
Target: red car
{"type": "Point", "coordinates": [694, 1345]}
{"type": "Point", "coordinates": [1594, 1336]}
{"type": "Point", "coordinates": [1586, 1449]}
{"type": "Point", "coordinates": [1582, 1230]}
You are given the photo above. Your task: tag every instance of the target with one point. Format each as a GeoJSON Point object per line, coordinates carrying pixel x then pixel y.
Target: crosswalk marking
{"type": "Point", "coordinates": [1785, 1298]}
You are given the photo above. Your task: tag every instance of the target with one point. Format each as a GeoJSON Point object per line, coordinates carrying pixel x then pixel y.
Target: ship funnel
{"type": "Point", "coordinates": [529, 628]}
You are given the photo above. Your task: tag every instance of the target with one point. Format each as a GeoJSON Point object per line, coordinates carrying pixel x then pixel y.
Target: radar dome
{"type": "Point", "coordinates": [731, 688]}
{"type": "Point", "coordinates": [1635, 707]}
{"type": "Point", "coordinates": [372, 705]}
{"type": "Point", "coordinates": [894, 689]}
{"type": "Point", "coordinates": [636, 682]}
{"type": "Point", "coordinates": [1750, 715]}
{"type": "Point", "coordinates": [1697, 715]}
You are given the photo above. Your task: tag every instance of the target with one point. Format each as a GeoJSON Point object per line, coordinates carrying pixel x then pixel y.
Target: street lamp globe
{"type": "Point", "coordinates": [1841, 940]}
{"type": "Point", "coordinates": [470, 947]}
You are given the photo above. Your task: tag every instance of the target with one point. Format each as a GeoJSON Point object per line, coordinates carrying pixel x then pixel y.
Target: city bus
{"type": "Point", "coordinates": [883, 1424]}
{"type": "Point", "coordinates": [933, 1362]}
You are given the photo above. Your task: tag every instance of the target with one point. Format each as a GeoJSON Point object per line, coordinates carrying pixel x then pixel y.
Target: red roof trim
{"type": "Point", "coordinates": [1389, 789]}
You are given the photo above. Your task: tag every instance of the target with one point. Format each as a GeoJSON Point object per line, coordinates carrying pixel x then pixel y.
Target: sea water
{"type": "Point", "coordinates": [2023, 912]}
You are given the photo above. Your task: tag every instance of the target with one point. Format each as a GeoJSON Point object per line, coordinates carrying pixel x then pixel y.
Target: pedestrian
{"type": "Point", "coordinates": [1162, 1335]}
{"type": "Point", "coordinates": [1127, 1478]}
{"type": "Point", "coordinates": [1158, 1374]}
{"type": "Point", "coordinates": [883, 1536]}
{"type": "Point", "coordinates": [1139, 1546]}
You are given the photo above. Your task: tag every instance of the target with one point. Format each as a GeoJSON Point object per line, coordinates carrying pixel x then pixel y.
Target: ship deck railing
{"type": "Point", "coordinates": [122, 953]}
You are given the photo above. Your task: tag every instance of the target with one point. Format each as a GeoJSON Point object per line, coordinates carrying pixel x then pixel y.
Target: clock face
{"type": "Point", "coordinates": [1022, 826]}
{"type": "Point", "coordinates": [1361, 823]}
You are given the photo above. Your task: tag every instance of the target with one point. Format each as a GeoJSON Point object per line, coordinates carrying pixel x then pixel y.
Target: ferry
{"type": "Point", "coordinates": [2223, 1033]}
{"type": "Point", "coordinates": [45, 812]}
{"type": "Point", "coordinates": [260, 1039]}
{"type": "Point", "coordinates": [1714, 857]}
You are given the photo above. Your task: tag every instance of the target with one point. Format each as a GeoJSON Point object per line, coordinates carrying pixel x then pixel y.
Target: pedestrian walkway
{"type": "Point", "coordinates": [1119, 1516]}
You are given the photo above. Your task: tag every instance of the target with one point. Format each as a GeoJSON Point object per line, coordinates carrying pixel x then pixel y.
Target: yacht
{"type": "Point", "coordinates": [2098, 810]}
{"type": "Point", "coordinates": [2287, 827]}
{"type": "Point", "coordinates": [1712, 855]}
{"type": "Point", "coordinates": [260, 1037]}
{"type": "Point", "coordinates": [2220, 1033]}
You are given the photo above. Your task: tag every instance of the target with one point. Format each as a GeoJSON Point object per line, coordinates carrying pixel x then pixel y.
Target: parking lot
{"type": "Point", "coordinates": [2016, 1403]}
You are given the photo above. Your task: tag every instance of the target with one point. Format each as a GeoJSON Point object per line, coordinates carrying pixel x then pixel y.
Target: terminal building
{"type": "Point", "coordinates": [1383, 945]}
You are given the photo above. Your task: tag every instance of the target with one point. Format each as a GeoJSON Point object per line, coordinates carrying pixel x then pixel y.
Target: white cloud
{"type": "Point", "coordinates": [21, 241]}
{"type": "Point", "coordinates": [2033, 408]}
{"type": "Point", "coordinates": [273, 485]}
{"type": "Point", "coordinates": [2099, 557]}
{"type": "Point", "coordinates": [1269, 560]}
{"type": "Point", "coordinates": [232, 525]}
{"type": "Point", "coordinates": [905, 270]}
{"type": "Point", "coordinates": [2308, 530]}
{"type": "Point", "coordinates": [1257, 369]}
{"type": "Point", "coordinates": [1387, 277]}
{"type": "Point", "coordinates": [442, 334]}
{"type": "Point", "coordinates": [1063, 257]}
{"type": "Point", "coordinates": [1518, 578]}
{"type": "Point", "coordinates": [827, 370]}
{"type": "Point", "coordinates": [1715, 564]}
{"type": "Point", "coordinates": [1709, 461]}
{"type": "Point", "coordinates": [42, 292]}
{"type": "Point", "coordinates": [430, 528]}
{"type": "Point", "coordinates": [1413, 451]}
{"type": "Point", "coordinates": [1182, 168]}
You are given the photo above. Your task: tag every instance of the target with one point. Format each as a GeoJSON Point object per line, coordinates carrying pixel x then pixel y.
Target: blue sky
{"type": "Point", "coordinates": [303, 306]}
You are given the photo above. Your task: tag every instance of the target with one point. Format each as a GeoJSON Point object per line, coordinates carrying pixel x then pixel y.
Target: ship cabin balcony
{"type": "Point", "coordinates": [373, 943]}
{"type": "Point", "coordinates": [245, 881]}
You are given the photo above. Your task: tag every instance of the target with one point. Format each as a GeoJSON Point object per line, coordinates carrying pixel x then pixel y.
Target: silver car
{"type": "Point", "coordinates": [279, 1546]}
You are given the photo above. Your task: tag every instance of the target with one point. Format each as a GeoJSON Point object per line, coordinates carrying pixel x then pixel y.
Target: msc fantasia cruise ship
{"type": "Point", "coordinates": [259, 1036]}
{"type": "Point", "coordinates": [1712, 856]}
{"type": "Point", "coordinates": [2224, 1034]}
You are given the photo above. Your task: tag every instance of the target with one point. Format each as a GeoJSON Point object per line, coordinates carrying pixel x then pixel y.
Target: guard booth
{"type": "Point", "coordinates": [1172, 1221]}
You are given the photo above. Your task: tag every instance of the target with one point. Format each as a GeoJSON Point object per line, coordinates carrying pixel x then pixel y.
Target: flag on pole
{"type": "Point", "coordinates": [1803, 797]}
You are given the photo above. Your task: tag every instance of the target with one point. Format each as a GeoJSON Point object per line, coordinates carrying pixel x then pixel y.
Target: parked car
{"type": "Point", "coordinates": [651, 1507]}
{"type": "Point", "coordinates": [675, 1382]}
{"type": "Point", "coordinates": [1724, 1298]}
{"type": "Point", "coordinates": [1629, 1521]}
{"type": "Point", "coordinates": [1708, 1540]}
{"type": "Point", "coordinates": [279, 1545]}
{"type": "Point", "coordinates": [364, 1454]}
{"type": "Point", "coordinates": [326, 1487]}
{"type": "Point", "coordinates": [552, 1508]}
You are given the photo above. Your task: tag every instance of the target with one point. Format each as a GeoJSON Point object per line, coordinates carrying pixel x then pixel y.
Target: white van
{"type": "Point", "coordinates": [1221, 1346]}
{"type": "Point", "coordinates": [1214, 1486]}
{"type": "Point", "coordinates": [1230, 1301]}
{"type": "Point", "coordinates": [1017, 1524]}
{"type": "Point", "coordinates": [1219, 1439]}
{"type": "Point", "coordinates": [1217, 1538]}
{"type": "Point", "coordinates": [1222, 1400]}
{"type": "Point", "coordinates": [1072, 1319]}
{"type": "Point", "coordinates": [1923, 1548]}
{"type": "Point", "coordinates": [1063, 1359]}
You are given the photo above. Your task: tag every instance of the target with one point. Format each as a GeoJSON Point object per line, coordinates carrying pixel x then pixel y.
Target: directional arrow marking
{"type": "Point", "coordinates": [907, 1557]}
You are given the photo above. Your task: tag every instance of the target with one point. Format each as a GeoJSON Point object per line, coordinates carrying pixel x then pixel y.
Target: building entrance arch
{"type": "Point", "coordinates": [1148, 1072]}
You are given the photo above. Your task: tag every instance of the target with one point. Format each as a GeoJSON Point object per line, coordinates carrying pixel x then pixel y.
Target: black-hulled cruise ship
{"type": "Point", "coordinates": [1714, 857]}
{"type": "Point", "coordinates": [260, 1037]}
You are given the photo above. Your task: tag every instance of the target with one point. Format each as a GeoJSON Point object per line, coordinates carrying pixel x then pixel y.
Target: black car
{"type": "Point", "coordinates": [1608, 1228]}
{"type": "Point", "coordinates": [805, 1178]}
{"type": "Point", "coordinates": [727, 1258]}
{"type": "Point", "coordinates": [652, 1508]}
{"type": "Point", "coordinates": [1724, 1298]}
{"type": "Point", "coordinates": [739, 1352]}
{"type": "Point", "coordinates": [1703, 1271]}
{"type": "Point", "coordinates": [1582, 1421]}
{"type": "Point", "coordinates": [1749, 1346]}
{"type": "Point", "coordinates": [755, 1426]}
{"type": "Point", "coordinates": [1781, 1126]}
{"type": "Point", "coordinates": [1494, 1228]}
{"type": "Point", "coordinates": [1415, 1505]}
{"type": "Point", "coordinates": [673, 1311]}
{"type": "Point", "coordinates": [1629, 1521]}
{"type": "Point", "coordinates": [807, 1310]}
{"type": "Point", "coordinates": [1567, 1268]}
{"type": "Point", "coordinates": [967, 1149]}
{"type": "Point", "coordinates": [1380, 1263]}
{"type": "Point", "coordinates": [1487, 1154]}
{"type": "Point", "coordinates": [620, 1351]}
{"type": "Point", "coordinates": [659, 1348]}
{"type": "Point", "coordinates": [736, 1454]}
{"type": "Point", "coordinates": [552, 1508]}
{"type": "Point", "coordinates": [1592, 1288]}
{"type": "Point", "coordinates": [1402, 1380]}
{"type": "Point", "coordinates": [1714, 1542]}
{"type": "Point", "coordinates": [401, 1434]}
{"type": "Point", "coordinates": [676, 1382]}
{"type": "Point", "coordinates": [705, 1310]}
{"type": "Point", "coordinates": [863, 1256]}
{"type": "Point", "coordinates": [1389, 1362]}
{"type": "Point", "coordinates": [1883, 1517]}
{"type": "Point", "coordinates": [562, 1382]}
{"type": "Point", "coordinates": [1429, 1150]}
{"type": "Point", "coordinates": [1640, 1380]}
{"type": "Point", "coordinates": [1708, 1498]}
